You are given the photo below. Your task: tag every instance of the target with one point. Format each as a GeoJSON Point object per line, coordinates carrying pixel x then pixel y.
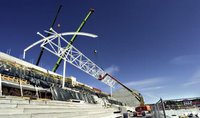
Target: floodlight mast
{"type": "Point", "coordinates": [72, 40]}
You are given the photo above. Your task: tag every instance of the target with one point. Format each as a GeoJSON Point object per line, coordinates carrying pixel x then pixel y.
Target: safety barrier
{"type": "Point", "coordinates": [159, 110]}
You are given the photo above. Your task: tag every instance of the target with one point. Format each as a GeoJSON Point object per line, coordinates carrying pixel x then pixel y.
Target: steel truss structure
{"type": "Point", "coordinates": [54, 44]}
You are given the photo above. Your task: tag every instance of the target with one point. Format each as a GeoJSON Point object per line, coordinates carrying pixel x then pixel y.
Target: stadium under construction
{"type": "Point", "coordinates": [23, 83]}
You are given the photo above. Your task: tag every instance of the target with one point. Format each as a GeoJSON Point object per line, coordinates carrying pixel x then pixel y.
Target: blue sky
{"type": "Point", "coordinates": [150, 45]}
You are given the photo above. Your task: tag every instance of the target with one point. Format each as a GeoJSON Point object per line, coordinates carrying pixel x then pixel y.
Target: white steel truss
{"type": "Point", "coordinates": [72, 55]}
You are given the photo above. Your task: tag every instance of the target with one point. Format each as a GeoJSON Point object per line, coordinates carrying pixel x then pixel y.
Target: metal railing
{"type": "Point", "coordinates": [159, 109]}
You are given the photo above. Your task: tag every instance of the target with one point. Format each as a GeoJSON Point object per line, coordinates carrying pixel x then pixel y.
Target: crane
{"type": "Point", "coordinates": [140, 110]}
{"type": "Point", "coordinates": [73, 56]}
{"type": "Point", "coordinates": [42, 49]}
{"type": "Point", "coordinates": [72, 40]}
{"type": "Point", "coordinates": [137, 96]}
{"type": "Point", "coordinates": [53, 43]}
{"type": "Point", "coordinates": [84, 63]}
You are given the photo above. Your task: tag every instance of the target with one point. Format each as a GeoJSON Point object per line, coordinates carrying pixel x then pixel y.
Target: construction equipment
{"type": "Point", "coordinates": [141, 110]}
{"type": "Point", "coordinates": [137, 96]}
{"type": "Point", "coordinates": [72, 40]}
{"type": "Point", "coordinates": [73, 56]}
{"type": "Point", "coordinates": [42, 50]}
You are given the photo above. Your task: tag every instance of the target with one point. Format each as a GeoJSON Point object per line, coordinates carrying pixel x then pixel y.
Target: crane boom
{"type": "Point", "coordinates": [42, 49]}
{"type": "Point", "coordinates": [72, 40]}
{"type": "Point", "coordinates": [138, 97]}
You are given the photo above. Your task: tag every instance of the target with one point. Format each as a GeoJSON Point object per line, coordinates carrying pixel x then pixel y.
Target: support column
{"type": "Point", "coordinates": [36, 90]}
{"type": "Point", "coordinates": [64, 67]}
{"type": "Point", "coordinates": [0, 86]}
{"type": "Point", "coordinates": [21, 89]}
{"type": "Point", "coordinates": [111, 91]}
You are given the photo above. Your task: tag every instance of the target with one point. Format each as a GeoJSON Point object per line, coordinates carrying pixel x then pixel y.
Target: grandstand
{"type": "Point", "coordinates": [20, 79]}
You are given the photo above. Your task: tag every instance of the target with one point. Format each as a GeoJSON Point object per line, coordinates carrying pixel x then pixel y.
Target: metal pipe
{"type": "Point", "coordinates": [42, 50]}
{"type": "Point", "coordinates": [72, 40]}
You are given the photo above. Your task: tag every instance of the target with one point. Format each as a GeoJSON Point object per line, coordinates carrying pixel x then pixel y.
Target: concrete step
{"type": "Point", "coordinates": [52, 110]}
{"type": "Point", "coordinates": [65, 102]}
{"type": "Point", "coordinates": [8, 106]}
{"type": "Point", "coordinates": [52, 113]}
{"type": "Point", "coordinates": [40, 100]}
{"type": "Point", "coordinates": [37, 102]}
{"type": "Point", "coordinates": [96, 115]}
{"type": "Point", "coordinates": [59, 115]}
{"type": "Point", "coordinates": [57, 110]}
{"type": "Point", "coordinates": [14, 105]}
{"type": "Point", "coordinates": [13, 97]}
{"type": "Point", "coordinates": [19, 101]}
{"type": "Point", "coordinates": [3, 101]}
{"type": "Point", "coordinates": [59, 102]}
{"type": "Point", "coordinates": [72, 115]}
{"type": "Point", "coordinates": [53, 106]}
{"type": "Point", "coordinates": [13, 101]}
{"type": "Point", "coordinates": [11, 111]}
{"type": "Point", "coordinates": [25, 108]}
{"type": "Point", "coordinates": [16, 116]}
{"type": "Point", "coordinates": [26, 101]}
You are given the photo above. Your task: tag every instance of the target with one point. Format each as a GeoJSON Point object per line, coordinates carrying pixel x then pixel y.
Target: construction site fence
{"type": "Point", "coordinates": [159, 110]}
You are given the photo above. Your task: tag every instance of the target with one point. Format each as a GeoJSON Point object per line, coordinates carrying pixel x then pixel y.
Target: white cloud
{"type": "Point", "coordinates": [196, 75]}
{"type": "Point", "coordinates": [152, 88]}
{"type": "Point", "coordinates": [145, 82]}
{"type": "Point", "coordinates": [186, 59]}
{"type": "Point", "coordinates": [113, 69]}
{"type": "Point", "coordinates": [195, 79]}
{"type": "Point", "coordinates": [149, 88]}
{"type": "Point", "coordinates": [192, 82]}
{"type": "Point", "coordinates": [189, 59]}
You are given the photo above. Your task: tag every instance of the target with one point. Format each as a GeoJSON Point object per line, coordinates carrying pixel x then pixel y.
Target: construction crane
{"type": "Point", "coordinates": [137, 96]}
{"type": "Point", "coordinates": [53, 43]}
{"type": "Point", "coordinates": [75, 57]}
{"type": "Point", "coordinates": [72, 40]}
{"type": "Point", "coordinates": [53, 23]}
{"type": "Point", "coordinates": [140, 110]}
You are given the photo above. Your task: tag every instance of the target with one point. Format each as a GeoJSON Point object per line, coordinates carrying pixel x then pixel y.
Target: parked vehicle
{"type": "Point", "coordinates": [142, 110]}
